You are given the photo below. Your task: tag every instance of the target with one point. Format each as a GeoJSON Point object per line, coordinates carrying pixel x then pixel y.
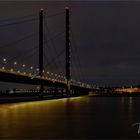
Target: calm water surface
{"type": "Point", "coordinates": [78, 117]}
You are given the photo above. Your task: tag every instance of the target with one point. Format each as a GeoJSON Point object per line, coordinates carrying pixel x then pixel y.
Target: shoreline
{"type": "Point", "coordinates": [112, 94]}
{"type": "Point", "coordinates": [16, 99]}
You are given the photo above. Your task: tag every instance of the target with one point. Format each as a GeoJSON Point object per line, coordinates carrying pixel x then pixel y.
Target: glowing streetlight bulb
{"type": "Point", "coordinates": [67, 7]}
{"type": "Point", "coordinates": [15, 63]}
{"type": "Point", "coordinates": [31, 67]}
{"type": "Point", "coordinates": [23, 65]}
{"type": "Point", "coordinates": [4, 60]}
{"type": "Point", "coordinates": [3, 68]}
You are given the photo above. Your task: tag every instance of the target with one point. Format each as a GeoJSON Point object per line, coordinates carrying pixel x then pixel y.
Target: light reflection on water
{"type": "Point", "coordinates": [127, 102]}
{"type": "Point", "coordinates": [130, 104]}
{"type": "Point", "coordinates": [77, 117]}
{"type": "Point", "coordinates": [14, 118]}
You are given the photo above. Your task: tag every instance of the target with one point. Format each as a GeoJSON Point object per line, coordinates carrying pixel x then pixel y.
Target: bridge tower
{"type": "Point", "coordinates": [41, 47]}
{"type": "Point", "coordinates": [68, 77]}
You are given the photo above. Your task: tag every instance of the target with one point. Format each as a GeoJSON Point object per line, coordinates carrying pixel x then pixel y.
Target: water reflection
{"type": "Point", "coordinates": [127, 104]}
{"type": "Point", "coordinates": [76, 117]}
{"type": "Point", "coordinates": [130, 104]}
{"type": "Point", "coordinates": [69, 107]}
{"type": "Point", "coordinates": [14, 118]}
{"type": "Point", "coordinates": [122, 100]}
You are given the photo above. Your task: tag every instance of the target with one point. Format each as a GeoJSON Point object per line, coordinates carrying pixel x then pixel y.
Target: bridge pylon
{"type": "Point", "coordinates": [68, 77]}
{"type": "Point", "coordinates": [41, 48]}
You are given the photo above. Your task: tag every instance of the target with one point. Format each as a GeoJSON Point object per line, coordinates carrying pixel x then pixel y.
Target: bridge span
{"type": "Point", "coordinates": [14, 77]}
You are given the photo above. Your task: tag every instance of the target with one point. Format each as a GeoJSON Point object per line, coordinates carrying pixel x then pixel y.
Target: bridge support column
{"type": "Point", "coordinates": [41, 48]}
{"type": "Point", "coordinates": [68, 79]}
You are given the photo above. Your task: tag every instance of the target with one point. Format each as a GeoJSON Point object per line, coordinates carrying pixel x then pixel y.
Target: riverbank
{"type": "Point", "coordinates": [15, 99]}
{"type": "Point", "coordinates": [25, 98]}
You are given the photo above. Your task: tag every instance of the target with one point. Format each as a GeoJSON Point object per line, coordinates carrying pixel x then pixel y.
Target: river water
{"type": "Point", "coordinates": [77, 117]}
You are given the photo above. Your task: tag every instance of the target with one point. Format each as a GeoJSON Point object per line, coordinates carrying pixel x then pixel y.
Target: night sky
{"type": "Point", "coordinates": [106, 35]}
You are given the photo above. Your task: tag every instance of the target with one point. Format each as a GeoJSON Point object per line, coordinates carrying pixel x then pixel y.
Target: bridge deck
{"type": "Point", "coordinates": [14, 77]}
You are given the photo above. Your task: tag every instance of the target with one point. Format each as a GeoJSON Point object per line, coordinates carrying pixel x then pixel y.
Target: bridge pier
{"type": "Point", "coordinates": [41, 90]}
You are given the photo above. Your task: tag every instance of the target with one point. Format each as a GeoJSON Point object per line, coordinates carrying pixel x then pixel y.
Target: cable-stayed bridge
{"type": "Point", "coordinates": [34, 54]}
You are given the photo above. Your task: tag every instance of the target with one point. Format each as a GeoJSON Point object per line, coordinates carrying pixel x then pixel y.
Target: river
{"type": "Point", "coordinates": [77, 117]}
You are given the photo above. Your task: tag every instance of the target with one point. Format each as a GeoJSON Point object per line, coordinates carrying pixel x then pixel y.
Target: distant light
{"type": "Point", "coordinates": [11, 70]}
{"type": "Point", "coordinates": [3, 68]}
{"type": "Point", "coordinates": [38, 87]}
{"type": "Point", "coordinates": [18, 71]}
{"type": "Point", "coordinates": [15, 63]}
{"type": "Point", "coordinates": [41, 9]}
{"type": "Point", "coordinates": [37, 69]}
{"type": "Point", "coordinates": [4, 60]}
{"type": "Point", "coordinates": [67, 7]}
{"type": "Point", "coordinates": [23, 65]}
{"type": "Point", "coordinates": [31, 67]}
{"type": "Point", "coordinates": [43, 71]}
{"type": "Point", "coordinates": [24, 72]}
